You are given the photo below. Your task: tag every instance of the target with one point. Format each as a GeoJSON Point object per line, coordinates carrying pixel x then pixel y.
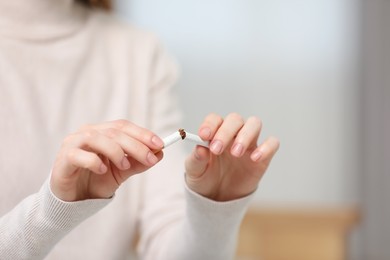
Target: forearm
{"type": "Point", "coordinates": [36, 224]}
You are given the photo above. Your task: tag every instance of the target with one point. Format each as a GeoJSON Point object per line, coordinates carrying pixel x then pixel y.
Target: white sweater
{"type": "Point", "coordinates": [62, 66]}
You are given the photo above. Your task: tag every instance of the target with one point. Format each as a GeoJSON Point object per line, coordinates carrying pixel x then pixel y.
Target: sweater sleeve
{"type": "Point", "coordinates": [37, 223]}
{"type": "Point", "coordinates": [176, 223]}
{"type": "Point", "coordinates": [209, 229]}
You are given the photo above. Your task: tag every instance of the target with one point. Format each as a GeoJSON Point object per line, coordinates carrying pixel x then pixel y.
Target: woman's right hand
{"type": "Point", "coordinates": [94, 161]}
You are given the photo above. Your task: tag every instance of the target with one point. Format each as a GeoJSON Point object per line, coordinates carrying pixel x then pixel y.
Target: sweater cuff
{"type": "Point", "coordinates": [213, 225]}
{"type": "Point", "coordinates": [223, 216]}
{"type": "Point", "coordinates": [63, 215]}
{"type": "Point", "coordinates": [218, 207]}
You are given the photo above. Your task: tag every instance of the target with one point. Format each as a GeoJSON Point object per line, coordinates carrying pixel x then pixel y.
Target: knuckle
{"type": "Point", "coordinates": [111, 132]}
{"type": "Point", "coordinates": [235, 117]}
{"type": "Point", "coordinates": [213, 117]}
{"type": "Point", "coordinates": [90, 134]}
{"type": "Point", "coordinates": [121, 123]}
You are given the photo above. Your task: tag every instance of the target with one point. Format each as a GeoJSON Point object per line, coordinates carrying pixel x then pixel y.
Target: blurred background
{"type": "Point", "coordinates": [315, 72]}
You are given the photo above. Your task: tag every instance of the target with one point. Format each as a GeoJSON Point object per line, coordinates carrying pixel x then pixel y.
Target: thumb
{"type": "Point", "coordinates": [197, 162]}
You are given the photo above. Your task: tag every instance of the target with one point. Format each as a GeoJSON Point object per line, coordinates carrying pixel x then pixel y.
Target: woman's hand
{"type": "Point", "coordinates": [234, 164]}
{"type": "Point", "coordinates": [94, 161]}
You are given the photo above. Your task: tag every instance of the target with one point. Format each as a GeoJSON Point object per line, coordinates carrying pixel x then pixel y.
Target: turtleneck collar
{"type": "Point", "coordinates": [40, 19]}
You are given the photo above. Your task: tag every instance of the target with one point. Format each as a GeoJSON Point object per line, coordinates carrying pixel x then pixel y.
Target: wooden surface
{"type": "Point", "coordinates": [292, 234]}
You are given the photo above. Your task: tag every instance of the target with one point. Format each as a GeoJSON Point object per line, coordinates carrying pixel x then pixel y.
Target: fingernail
{"type": "Point", "coordinates": [256, 155]}
{"type": "Point", "coordinates": [216, 147]}
{"type": "Point", "coordinates": [152, 159]}
{"type": "Point", "coordinates": [157, 141]}
{"type": "Point", "coordinates": [103, 168]}
{"type": "Point", "coordinates": [237, 150]}
{"type": "Point", "coordinates": [205, 132]}
{"type": "Point", "coordinates": [125, 163]}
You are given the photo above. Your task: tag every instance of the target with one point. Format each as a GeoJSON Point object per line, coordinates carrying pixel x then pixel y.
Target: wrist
{"type": "Point", "coordinates": [220, 193]}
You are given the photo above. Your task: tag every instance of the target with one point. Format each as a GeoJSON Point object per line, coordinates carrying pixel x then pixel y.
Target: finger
{"type": "Point", "coordinates": [133, 147]}
{"type": "Point", "coordinates": [98, 143]}
{"type": "Point", "coordinates": [196, 162]}
{"type": "Point", "coordinates": [137, 167]}
{"type": "Point", "coordinates": [78, 158]}
{"type": "Point", "coordinates": [226, 133]}
{"type": "Point", "coordinates": [210, 126]}
{"type": "Point", "coordinates": [266, 150]}
{"type": "Point", "coordinates": [247, 136]}
{"type": "Point", "coordinates": [144, 135]}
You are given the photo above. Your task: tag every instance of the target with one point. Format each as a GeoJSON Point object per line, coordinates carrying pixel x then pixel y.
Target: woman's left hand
{"type": "Point", "coordinates": [235, 163]}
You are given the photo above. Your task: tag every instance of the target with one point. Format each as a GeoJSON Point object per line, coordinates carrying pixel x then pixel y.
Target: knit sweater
{"type": "Point", "coordinates": [63, 65]}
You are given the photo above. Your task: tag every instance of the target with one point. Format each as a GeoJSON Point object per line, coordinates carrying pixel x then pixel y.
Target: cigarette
{"type": "Point", "coordinates": [181, 134]}
{"type": "Point", "coordinates": [171, 139]}
{"type": "Point", "coordinates": [196, 139]}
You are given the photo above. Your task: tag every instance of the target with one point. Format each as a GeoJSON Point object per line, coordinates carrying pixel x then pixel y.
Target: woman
{"type": "Point", "coordinates": [64, 64]}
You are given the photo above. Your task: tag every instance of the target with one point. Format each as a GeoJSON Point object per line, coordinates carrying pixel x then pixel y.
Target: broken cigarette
{"type": "Point", "coordinates": [181, 134]}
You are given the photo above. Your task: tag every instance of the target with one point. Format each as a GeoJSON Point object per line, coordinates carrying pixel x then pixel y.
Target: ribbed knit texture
{"type": "Point", "coordinates": [39, 222]}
